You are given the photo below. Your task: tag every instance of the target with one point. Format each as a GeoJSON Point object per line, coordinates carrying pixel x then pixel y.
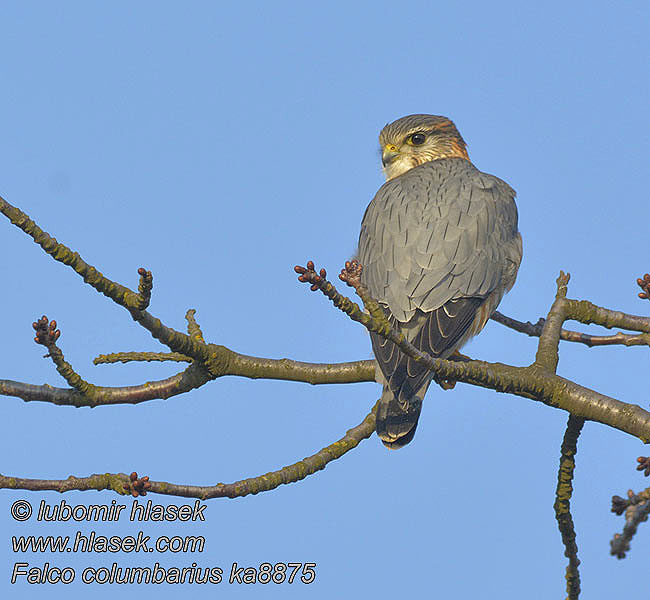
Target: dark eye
{"type": "Point", "coordinates": [417, 139]}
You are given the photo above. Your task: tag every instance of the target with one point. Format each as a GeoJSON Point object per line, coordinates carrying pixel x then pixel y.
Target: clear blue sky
{"type": "Point", "coordinates": [219, 144]}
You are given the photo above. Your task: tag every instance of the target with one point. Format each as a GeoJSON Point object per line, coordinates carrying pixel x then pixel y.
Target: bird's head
{"type": "Point", "coordinates": [416, 139]}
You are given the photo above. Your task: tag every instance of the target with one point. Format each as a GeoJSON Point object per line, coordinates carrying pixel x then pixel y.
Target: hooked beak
{"type": "Point", "coordinates": [389, 154]}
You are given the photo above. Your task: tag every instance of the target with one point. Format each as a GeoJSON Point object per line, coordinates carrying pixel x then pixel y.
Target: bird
{"type": "Point", "coordinates": [439, 247]}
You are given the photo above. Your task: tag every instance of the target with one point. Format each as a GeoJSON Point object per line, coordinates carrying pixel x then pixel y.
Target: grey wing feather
{"type": "Point", "coordinates": [440, 231]}
{"type": "Point", "coordinates": [432, 333]}
{"type": "Point", "coordinates": [435, 243]}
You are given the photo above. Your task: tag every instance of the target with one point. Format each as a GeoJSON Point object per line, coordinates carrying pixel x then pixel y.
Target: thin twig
{"type": "Point", "coordinates": [47, 335]}
{"type": "Point", "coordinates": [634, 515]}
{"type": "Point", "coordinates": [119, 482]}
{"type": "Point", "coordinates": [134, 302]}
{"type": "Point", "coordinates": [547, 355]}
{"type": "Point", "coordinates": [192, 326]}
{"type": "Point", "coordinates": [125, 357]}
{"type": "Point", "coordinates": [562, 504]}
{"type": "Point", "coordinates": [535, 330]}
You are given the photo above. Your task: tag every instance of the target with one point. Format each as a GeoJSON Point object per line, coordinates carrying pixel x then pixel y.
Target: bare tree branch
{"type": "Point", "coordinates": [122, 483]}
{"type": "Point", "coordinates": [134, 302]}
{"type": "Point", "coordinates": [635, 514]}
{"type": "Point", "coordinates": [562, 504]}
{"type": "Point", "coordinates": [535, 330]}
{"type": "Point", "coordinates": [194, 377]}
{"type": "Point", "coordinates": [537, 381]}
{"type": "Point", "coordinates": [191, 378]}
{"type": "Point", "coordinates": [125, 357]}
{"type": "Point", "coordinates": [636, 508]}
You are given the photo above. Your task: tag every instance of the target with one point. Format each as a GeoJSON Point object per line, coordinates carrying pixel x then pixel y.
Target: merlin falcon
{"type": "Point", "coordinates": [439, 247]}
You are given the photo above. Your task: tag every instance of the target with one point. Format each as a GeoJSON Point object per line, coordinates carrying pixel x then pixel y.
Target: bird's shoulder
{"type": "Point", "coordinates": [450, 190]}
{"type": "Point", "coordinates": [436, 174]}
{"type": "Point", "coordinates": [437, 232]}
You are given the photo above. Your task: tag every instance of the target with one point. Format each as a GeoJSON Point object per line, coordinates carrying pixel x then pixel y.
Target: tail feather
{"type": "Point", "coordinates": [397, 418]}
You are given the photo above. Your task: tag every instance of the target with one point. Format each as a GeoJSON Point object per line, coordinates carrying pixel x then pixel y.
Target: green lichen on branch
{"type": "Point", "coordinates": [125, 357]}
{"type": "Point", "coordinates": [562, 504]}
{"type": "Point", "coordinates": [193, 328]}
{"type": "Point", "coordinates": [191, 378]}
{"type": "Point", "coordinates": [144, 287]}
{"type": "Point", "coordinates": [92, 392]}
{"type": "Point", "coordinates": [195, 376]}
{"type": "Point", "coordinates": [61, 253]}
{"type": "Point", "coordinates": [299, 470]}
{"type": "Point", "coordinates": [98, 482]}
{"type": "Point", "coordinates": [586, 312]}
{"type": "Point", "coordinates": [47, 335]}
{"type": "Point", "coordinates": [132, 301]}
{"type": "Point", "coordinates": [121, 483]}
{"type": "Point", "coordinates": [547, 356]}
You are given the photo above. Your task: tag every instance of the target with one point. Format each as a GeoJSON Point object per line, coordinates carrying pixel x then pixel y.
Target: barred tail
{"type": "Point", "coordinates": [397, 418]}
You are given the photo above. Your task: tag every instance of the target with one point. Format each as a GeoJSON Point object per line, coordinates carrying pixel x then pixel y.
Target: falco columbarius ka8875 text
{"type": "Point", "coordinates": [439, 247]}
